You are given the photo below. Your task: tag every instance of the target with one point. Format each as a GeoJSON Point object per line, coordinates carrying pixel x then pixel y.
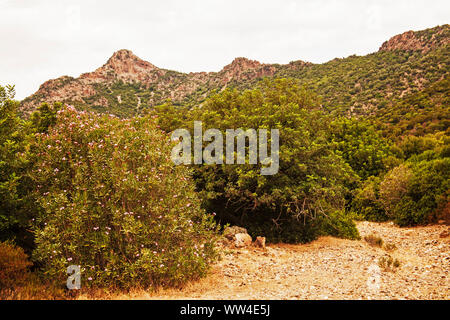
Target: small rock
{"type": "Point", "coordinates": [444, 234]}
{"type": "Point", "coordinates": [260, 242]}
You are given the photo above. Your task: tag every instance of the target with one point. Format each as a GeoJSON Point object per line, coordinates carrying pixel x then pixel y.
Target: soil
{"type": "Point", "coordinates": [330, 268]}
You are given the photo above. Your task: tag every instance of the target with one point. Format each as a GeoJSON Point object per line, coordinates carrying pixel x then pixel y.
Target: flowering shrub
{"type": "Point", "coordinates": [114, 204]}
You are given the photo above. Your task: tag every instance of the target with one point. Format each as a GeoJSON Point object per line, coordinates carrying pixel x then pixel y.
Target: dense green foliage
{"type": "Point", "coordinates": [416, 191]}
{"type": "Point", "coordinates": [15, 204]}
{"type": "Point", "coordinates": [364, 137]}
{"type": "Point", "coordinates": [424, 112]}
{"type": "Point", "coordinates": [308, 192]}
{"type": "Point", "coordinates": [362, 147]}
{"type": "Point", "coordinates": [115, 204]}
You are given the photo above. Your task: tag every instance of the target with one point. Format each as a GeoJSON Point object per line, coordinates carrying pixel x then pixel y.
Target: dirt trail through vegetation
{"type": "Point", "coordinates": [330, 268]}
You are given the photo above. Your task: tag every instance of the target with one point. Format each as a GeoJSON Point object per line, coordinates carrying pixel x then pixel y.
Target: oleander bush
{"type": "Point", "coordinates": [114, 204]}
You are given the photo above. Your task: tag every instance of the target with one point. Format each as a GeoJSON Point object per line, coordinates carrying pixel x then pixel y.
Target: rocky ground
{"type": "Point", "coordinates": [331, 268]}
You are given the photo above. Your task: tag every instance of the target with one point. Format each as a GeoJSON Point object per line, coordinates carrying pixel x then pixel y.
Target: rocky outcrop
{"type": "Point", "coordinates": [245, 69]}
{"type": "Point", "coordinates": [124, 66]}
{"type": "Point", "coordinates": [424, 41]}
{"type": "Point", "coordinates": [149, 85]}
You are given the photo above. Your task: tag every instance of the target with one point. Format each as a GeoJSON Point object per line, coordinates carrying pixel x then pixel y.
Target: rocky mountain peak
{"type": "Point", "coordinates": [243, 69]}
{"type": "Point", "coordinates": [242, 64]}
{"type": "Point", "coordinates": [419, 41]}
{"type": "Point", "coordinates": [123, 65]}
{"type": "Point", "coordinates": [125, 61]}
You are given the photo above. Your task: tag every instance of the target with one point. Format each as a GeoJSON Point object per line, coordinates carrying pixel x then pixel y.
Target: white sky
{"type": "Point", "coordinates": [41, 40]}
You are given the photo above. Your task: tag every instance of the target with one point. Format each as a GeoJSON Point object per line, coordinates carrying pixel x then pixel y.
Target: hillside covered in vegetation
{"type": "Point", "coordinates": [86, 176]}
{"type": "Point", "coordinates": [356, 85]}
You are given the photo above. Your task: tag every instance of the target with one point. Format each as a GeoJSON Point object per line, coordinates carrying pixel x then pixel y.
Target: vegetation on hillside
{"type": "Point", "coordinates": [93, 185]}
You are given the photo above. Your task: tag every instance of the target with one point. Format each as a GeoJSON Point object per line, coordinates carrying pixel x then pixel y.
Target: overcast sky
{"type": "Point", "coordinates": [45, 39]}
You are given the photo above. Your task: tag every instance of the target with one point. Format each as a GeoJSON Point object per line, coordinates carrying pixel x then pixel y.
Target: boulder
{"type": "Point", "coordinates": [231, 232]}
{"type": "Point", "coordinates": [242, 240]}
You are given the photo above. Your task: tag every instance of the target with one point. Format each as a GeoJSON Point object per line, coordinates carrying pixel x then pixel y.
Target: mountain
{"type": "Point", "coordinates": [125, 84]}
{"type": "Point", "coordinates": [357, 85]}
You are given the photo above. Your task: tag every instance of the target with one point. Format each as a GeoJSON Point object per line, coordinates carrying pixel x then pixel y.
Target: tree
{"type": "Point", "coordinates": [295, 204]}
{"type": "Point", "coordinates": [16, 208]}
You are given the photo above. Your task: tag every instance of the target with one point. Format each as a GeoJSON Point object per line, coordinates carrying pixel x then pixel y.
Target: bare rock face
{"type": "Point", "coordinates": [126, 66]}
{"type": "Point", "coordinates": [244, 69]}
{"type": "Point", "coordinates": [242, 240]}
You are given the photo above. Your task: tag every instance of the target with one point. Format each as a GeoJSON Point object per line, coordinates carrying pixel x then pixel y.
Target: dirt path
{"type": "Point", "coordinates": [330, 268]}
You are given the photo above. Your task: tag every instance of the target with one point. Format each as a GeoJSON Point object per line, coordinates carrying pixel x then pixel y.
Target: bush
{"type": "Point", "coordinates": [387, 263]}
{"type": "Point", "coordinates": [417, 192]}
{"type": "Point", "coordinates": [114, 204]}
{"type": "Point", "coordinates": [427, 195]}
{"type": "Point", "coordinates": [362, 147]}
{"type": "Point", "coordinates": [341, 225]}
{"type": "Point", "coordinates": [374, 240]}
{"type": "Point", "coordinates": [366, 201]}
{"type": "Point", "coordinates": [16, 208]}
{"type": "Point", "coordinates": [14, 266]}
{"type": "Point", "coordinates": [289, 206]}
{"type": "Point", "coordinates": [394, 187]}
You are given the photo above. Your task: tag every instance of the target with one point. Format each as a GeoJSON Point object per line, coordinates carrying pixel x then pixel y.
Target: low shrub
{"type": "Point", "coordinates": [389, 246]}
{"type": "Point", "coordinates": [366, 201]}
{"type": "Point", "coordinates": [14, 266]}
{"type": "Point", "coordinates": [374, 240]}
{"type": "Point", "coordinates": [388, 263]}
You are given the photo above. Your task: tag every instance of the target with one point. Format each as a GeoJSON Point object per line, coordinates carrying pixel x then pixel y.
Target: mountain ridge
{"type": "Point", "coordinates": [126, 84]}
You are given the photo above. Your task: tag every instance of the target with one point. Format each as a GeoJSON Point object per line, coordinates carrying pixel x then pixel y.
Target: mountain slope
{"type": "Point", "coordinates": [126, 84]}
{"type": "Point", "coordinates": [360, 85]}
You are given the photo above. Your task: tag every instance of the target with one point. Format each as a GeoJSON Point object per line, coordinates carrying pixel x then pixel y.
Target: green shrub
{"type": "Point", "coordinates": [394, 188]}
{"type": "Point", "coordinates": [341, 225]}
{"type": "Point", "coordinates": [362, 147]}
{"type": "Point", "coordinates": [427, 195]}
{"type": "Point", "coordinates": [16, 207]}
{"type": "Point", "coordinates": [114, 204]}
{"type": "Point", "coordinates": [417, 192]}
{"type": "Point", "coordinates": [388, 263]}
{"type": "Point", "coordinates": [311, 182]}
{"type": "Point", "coordinates": [366, 201]}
